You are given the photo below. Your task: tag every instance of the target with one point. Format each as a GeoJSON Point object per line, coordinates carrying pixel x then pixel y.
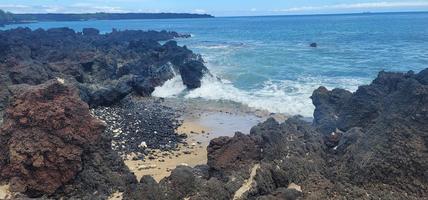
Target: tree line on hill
{"type": "Point", "coordinates": [9, 18]}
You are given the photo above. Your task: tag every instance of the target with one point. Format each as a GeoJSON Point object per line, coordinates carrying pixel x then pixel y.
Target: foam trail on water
{"type": "Point", "coordinates": [170, 88]}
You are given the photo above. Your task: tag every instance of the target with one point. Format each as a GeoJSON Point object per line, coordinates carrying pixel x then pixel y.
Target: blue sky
{"type": "Point", "coordinates": [215, 7]}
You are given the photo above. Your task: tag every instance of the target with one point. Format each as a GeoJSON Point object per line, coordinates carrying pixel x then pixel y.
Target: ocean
{"type": "Point", "coordinates": [267, 63]}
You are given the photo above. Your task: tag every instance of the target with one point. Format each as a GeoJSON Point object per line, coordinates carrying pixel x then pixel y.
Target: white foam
{"type": "Point", "coordinates": [270, 98]}
{"type": "Point", "coordinates": [288, 97]}
{"type": "Point", "coordinates": [216, 47]}
{"type": "Point", "coordinates": [291, 97]}
{"type": "Point", "coordinates": [170, 88]}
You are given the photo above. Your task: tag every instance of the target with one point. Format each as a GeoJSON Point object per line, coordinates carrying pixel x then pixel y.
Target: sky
{"type": "Point", "coordinates": [214, 7]}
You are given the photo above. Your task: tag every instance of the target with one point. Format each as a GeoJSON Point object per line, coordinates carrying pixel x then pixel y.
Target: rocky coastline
{"type": "Point", "coordinates": [71, 114]}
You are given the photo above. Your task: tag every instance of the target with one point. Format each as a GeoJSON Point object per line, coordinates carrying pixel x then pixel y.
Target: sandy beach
{"type": "Point", "coordinates": [201, 122]}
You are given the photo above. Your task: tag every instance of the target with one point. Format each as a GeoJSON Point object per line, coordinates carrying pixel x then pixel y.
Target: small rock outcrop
{"type": "Point", "coordinates": [386, 119]}
{"type": "Point", "coordinates": [51, 145]}
{"type": "Point", "coordinates": [226, 153]}
{"type": "Point", "coordinates": [46, 130]}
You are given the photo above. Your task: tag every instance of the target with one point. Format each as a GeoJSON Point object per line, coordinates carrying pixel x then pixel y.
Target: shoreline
{"type": "Point", "coordinates": [201, 121]}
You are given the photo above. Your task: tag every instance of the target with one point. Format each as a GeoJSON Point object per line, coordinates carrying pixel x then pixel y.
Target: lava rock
{"type": "Point", "coordinates": [90, 32]}
{"type": "Point", "coordinates": [227, 153]}
{"type": "Point", "coordinates": [46, 131]}
{"type": "Point", "coordinates": [105, 67]}
{"type": "Point", "coordinates": [192, 73]}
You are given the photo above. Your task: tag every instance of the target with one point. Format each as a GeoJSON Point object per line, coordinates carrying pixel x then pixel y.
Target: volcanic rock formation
{"type": "Point", "coordinates": [48, 137]}
{"type": "Point", "coordinates": [46, 130]}
{"type": "Point", "coordinates": [105, 67]}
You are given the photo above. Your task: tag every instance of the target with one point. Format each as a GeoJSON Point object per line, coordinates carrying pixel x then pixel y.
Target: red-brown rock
{"type": "Point", "coordinates": [46, 130]}
{"type": "Point", "coordinates": [227, 153]}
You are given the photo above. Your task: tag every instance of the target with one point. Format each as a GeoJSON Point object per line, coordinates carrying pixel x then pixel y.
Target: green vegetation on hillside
{"type": "Point", "coordinates": [7, 17]}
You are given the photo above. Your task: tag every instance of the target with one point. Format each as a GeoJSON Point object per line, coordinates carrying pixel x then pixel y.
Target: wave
{"type": "Point", "coordinates": [287, 97]}
{"type": "Point", "coordinates": [171, 88]}
{"type": "Point", "coordinates": [271, 97]}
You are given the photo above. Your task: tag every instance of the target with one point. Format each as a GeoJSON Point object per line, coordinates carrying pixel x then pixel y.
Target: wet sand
{"type": "Point", "coordinates": [200, 131]}
{"type": "Point", "coordinates": [201, 122]}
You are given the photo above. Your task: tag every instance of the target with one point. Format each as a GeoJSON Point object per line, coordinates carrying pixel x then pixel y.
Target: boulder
{"type": "Point", "coordinates": [192, 73]}
{"type": "Point", "coordinates": [327, 106]}
{"type": "Point", "coordinates": [90, 32]}
{"type": "Point", "coordinates": [46, 130]}
{"type": "Point", "coordinates": [227, 154]}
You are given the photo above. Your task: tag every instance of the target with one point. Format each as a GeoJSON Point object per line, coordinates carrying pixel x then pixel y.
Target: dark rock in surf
{"type": "Point", "coordinates": [192, 73]}
{"type": "Point", "coordinates": [313, 45]}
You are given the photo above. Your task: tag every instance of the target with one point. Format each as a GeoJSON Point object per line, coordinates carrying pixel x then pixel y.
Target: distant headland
{"type": "Point", "coordinates": [10, 18]}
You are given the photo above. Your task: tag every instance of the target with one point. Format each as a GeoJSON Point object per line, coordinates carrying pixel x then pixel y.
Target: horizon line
{"type": "Point", "coordinates": [230, 16]}
{"type": "Point", "coordinates": [321, 14]}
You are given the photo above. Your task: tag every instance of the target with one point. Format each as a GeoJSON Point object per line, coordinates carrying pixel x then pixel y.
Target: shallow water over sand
{"type": "Point", "coordinates": [202, 121]}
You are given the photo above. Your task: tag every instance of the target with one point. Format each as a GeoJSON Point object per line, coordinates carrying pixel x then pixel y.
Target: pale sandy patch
{"type": "Point", "coordinates": [192, 155]}
{"type": "Point", "coordinates": [295, 187]}
{"type": "Point", "coordinates": [248, 184]}
{"type": "Point", "coordinates": [116, 196]}
{"type": "Point", "coordinates": [4, 192]}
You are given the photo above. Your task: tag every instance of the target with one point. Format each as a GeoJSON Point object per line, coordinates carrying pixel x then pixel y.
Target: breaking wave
{"type": "Point", "coordinates": [287, 97]}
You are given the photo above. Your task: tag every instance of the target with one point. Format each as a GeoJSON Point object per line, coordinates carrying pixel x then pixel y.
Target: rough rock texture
{"type": "Point", "coordinates": [103, 173]}
{"type": "Point", "coordinates": [105, 67]}
{"type": "Point", "coordinates": [226, 153]}
{"type": "Point", "coordinates": [49, 139]}
{"type": "Point", "coordinates": [46, 130]}
{"type": "Point", "coordinates": [386, 143]}
{"type": "Point", "coordinates": [184, 182]}
{"type": "Point", "coordinates": [327, 105]}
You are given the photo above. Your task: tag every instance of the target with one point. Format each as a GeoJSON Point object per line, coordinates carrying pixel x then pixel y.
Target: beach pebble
{"type": "Point", "coordinates": [145, 167]}
{"type": "Point", "coordinates": [295, 186]}
{"type": "Point", "coordinates": [143, 145]}
{"type": "Point", "coordinates": [138, 124]}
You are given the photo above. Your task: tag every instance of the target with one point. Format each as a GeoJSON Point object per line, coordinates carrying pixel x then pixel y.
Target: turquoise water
{"type": "Point", "coordinates": [266, 62]}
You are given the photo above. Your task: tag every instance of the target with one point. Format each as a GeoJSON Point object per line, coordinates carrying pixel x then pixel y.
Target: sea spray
{"type": "Point", "coordinates": [170, 88]}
